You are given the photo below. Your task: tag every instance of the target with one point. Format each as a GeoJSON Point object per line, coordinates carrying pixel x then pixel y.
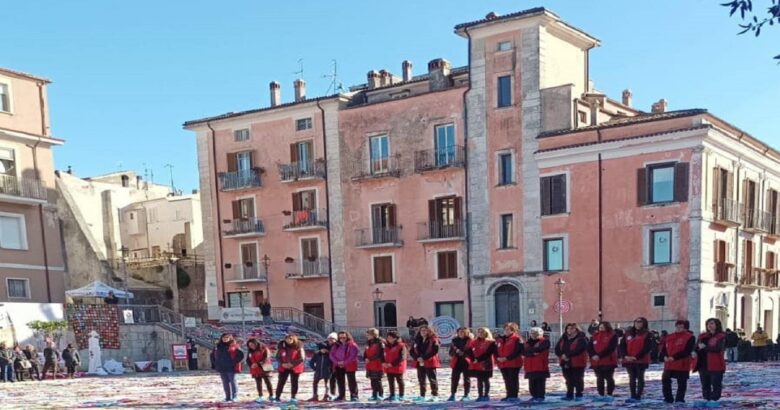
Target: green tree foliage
{"type": "Point", "coordinates": [754, 21]}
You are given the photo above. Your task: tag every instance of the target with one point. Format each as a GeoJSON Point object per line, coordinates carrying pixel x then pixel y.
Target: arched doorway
{"type": "Point", "coordinates": [385, 314]}
{"type": "Point", "coordinates": [507, 300]}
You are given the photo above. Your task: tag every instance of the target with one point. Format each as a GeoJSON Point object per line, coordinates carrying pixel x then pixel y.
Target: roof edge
{"type": "Point", "coordinates": [25, 75]}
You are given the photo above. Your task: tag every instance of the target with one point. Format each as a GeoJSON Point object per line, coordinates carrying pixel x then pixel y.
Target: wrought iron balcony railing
{"type": "Point", "coordinates": [370, 237]}
{"type": "Point", "coordinates": [438, 158]}
{"type": "Point", "coordinates": [302, 170]}
{"type": "Point", "coordinates": [438, 230]}
{"type": "Point", "coordinates": [248, 178]}
{"type": "Point", "coordinates": [22, 187]}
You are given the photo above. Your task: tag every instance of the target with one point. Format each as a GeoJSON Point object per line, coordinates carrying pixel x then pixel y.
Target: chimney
{"type": "Point", "coordinates": [439, 74]}
{"type": "Point", "coordinates": [276, 93]}
{"type": "Point", "coordinates": [406, 69]}
{"type": "Point", "coordinates": [627, 94]}
{"type": "Point", "coordinates": [385, 78]}
{"type": "Point", "coordinates": [373, 79]}
{"type": "Point", "coordinates": [659, 107]}
{"type": "Point", "coordinates": [300, 90]}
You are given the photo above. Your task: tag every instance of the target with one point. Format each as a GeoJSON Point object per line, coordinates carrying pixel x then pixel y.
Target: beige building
{"type": "Point", "coordinates": [170, 225]}
{"type": "Point", "coordinates": [32, 266]}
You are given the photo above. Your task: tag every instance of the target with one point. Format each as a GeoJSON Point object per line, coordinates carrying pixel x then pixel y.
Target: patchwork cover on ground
{"type": "Point", "coordinates": [746, 385]}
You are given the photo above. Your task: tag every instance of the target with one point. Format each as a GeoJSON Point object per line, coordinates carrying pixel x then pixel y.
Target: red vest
{"type": "Point", "coordinates": [538, 363]}
{"type": "Point", "coordinates": [293, 356]}
{"type": "Point", "coordinates": [600, 342]}
{"type": "Point", "coordinates": [392, 353]}
{"type": "Point", "coordinates": [258, 357]}
{"type": "Point", "coordinates": [634, 345]}
{"type": "Point", "coordinates": [373, 349]}
{"type": "Point", "coordinates": [580, 360]}
{"type": "Point", "coordinates": [427, 346]}
{"type": "Point", "coordinates": [505, 346]}
{"type": "Point", "coordinates": [233, 351]}
{"type": "Point", "coordinates": [715, 360]}
{"type": "Point", "coordinates": [454, 358]}
{"type": "Point", "coordinates": [479, 347]}
{"type": "Point", "coordinates": [675, 343]}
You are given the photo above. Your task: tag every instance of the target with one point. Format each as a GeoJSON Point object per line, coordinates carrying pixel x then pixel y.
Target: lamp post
{"type": "Point", "coordinates": [125, 251]}
{"type": "Point", "coordinates": [266, 261]}
{"type": "Point", "coordinates": [377, 294]}
{"type": "Point", "coordinates": [174, 282]}
{"type": "Point", "coordinates": [560, 283]}
{"type": "Point", "coordinates": [242, 291]}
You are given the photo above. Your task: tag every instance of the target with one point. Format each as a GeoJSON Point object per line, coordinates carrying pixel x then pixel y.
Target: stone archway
{"type": "Point", "coordinates": [505, 300]}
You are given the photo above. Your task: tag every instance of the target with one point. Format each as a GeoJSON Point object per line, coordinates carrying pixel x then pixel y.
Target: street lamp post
{"type": "Point", "coordinates": [242, 291]}
{"type": "Point", "coordinates": [266, 261]}
{"type": "Point", "coordinates": [377, 294]}
{"type": "Point", "coordinates": [125, 251]}
{"type": "Point", "coordinates": [560, 283]}
{"type": "Point", "coordinates": [174, 282]}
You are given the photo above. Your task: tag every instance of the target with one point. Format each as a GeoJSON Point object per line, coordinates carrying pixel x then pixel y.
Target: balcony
{"type": "Point", "coordinates": [380, 168]}
{"type": "Point", "coordinates": [244, 179]}
{"type": "Point", "coordinates": [378, 238]}
{"type": "Point", "coordinates": [307, 219]}
{"type": "Point", "coordinates": [750, 276]}
{"type": "Point", "coordinates": [757, 221]}
{"type": "Point", "coordinates": [724, 273]}
{"type": "Point", "coordinates": [437, 231]}
{"type": "Point", "coordinates": [769, 279]}
{"type": "Point", "coordinates": [22, 190]}
{"type": "Point", "coordinates": [311, 269]}
{"type": "Point", "coordinates": [302, 170]}
{"type": "Point", "coordinates": [249, 274]}
{"type": "Point", "coordinates": [727, 212]}
{"type": "Point", "coordinates": [244, 228]}
{"type": "Point", "coordinates": [439, 158]}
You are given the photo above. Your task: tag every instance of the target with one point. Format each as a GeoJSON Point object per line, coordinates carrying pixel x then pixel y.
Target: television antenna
{"type": "Point", "coordinates": [335, 84]}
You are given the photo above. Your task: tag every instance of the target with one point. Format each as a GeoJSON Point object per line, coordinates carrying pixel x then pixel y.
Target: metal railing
{"type": "Point", "coordinates": [441, 230]}
{"type": "Point", "coordinates": [248, 178]}
{"type": "Point", "coordinates": [251, 272]}
{"type": "Point", "coordinates": [22, 187]}
{"type": "Point", "coordinates": [380, 168]}
{"type": "Point", "coordinates": [161, 315]}
{"type": "Point", "coordinates": [317, 268]}
{"type": "Point", "coordinates": [245, 226]}
{"type": "Point", "coordinates": [770, 279]}
{"type": "Point", "coordinates": [750, 276]}
{"type": "Point", "coordinates": [724, 272]}
{"type": "Point", "coordinates": [378, 236]}
{"type": "Point", "coordinates": [430, 159]}
{"type": "Point", "coordinates": [307, 218]}
{"type": "Point", "coordinates": [727, 210]}
{"type": "Point", "coordinates": [303, 319]}
{"type": "Point", "coordinates": [757, 220]}
{"type": "Point", "coordinates": [302, 169]}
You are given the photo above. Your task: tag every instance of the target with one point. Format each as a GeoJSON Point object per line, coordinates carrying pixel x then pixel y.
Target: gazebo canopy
{"type": "Point", "coordinates": [97, 289]}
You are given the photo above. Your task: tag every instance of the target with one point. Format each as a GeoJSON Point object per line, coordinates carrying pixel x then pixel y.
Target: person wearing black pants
{"type": "Point", "coordinates": [573, 358]}
{"type": "Point", "coordinates": [602, 350]}
{"type": "Point", "coordinates": [711, 364]}
{"type": "Point", "coordinates": [676, 351]}
{"type": "Point", "coordinates": [509, 358]}
{"type": "Point", "coordinates": [536, 351]}
{"type": "Point", "coordinates": [427, 362]}
{"type": "Point", "coordinates": [344, 357]}
{"type": "Point", "coordinates": [635, 350]}
{"type": "Point", "coordinates": [459, 362]}
{"type": "Point", "coordinates": [291, 364]}
{"type": "Point", "coordinates": [394, 364]}
{"type": "Point", "coordinates": [481, 351]}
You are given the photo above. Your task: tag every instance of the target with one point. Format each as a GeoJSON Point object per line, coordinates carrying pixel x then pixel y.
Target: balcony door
{"type": "Point", "coordinates": [244, 209]}
{"type": "Point", "coordinates": [301, 156]}
{"type": "Point", "coordinates": [383, 223]}
{"type": "Point", "coordinates": [445, 144]}
{"type": "Point", "coordinates": [444, 216]}
{"type": "Point", "coordinates": [380, 154]}
{"type": "Point", "coordinates": [249, 268]}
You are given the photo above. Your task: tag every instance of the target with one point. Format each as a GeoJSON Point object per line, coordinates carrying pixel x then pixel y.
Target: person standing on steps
{"type": "Point", "coordinates": [509, 358]}
{"type": "Point", "coordinates": [259, 360]}
{"type": "Point", "coordinates": [603, 360]}
{"type": "Point", "coordinates": [537, 364]}
{"type": "Point", "coordinates": [111, 299]}
{"type": "Point", "coordinates": [573, 358]}
{"type": "Point", "coordinates": [482, 351]}
{"type": "Point", "coordinates": [265, 311]}
{"type": "Point", "coordinates": [344, 358]}
{"type": "Point", "coordinates": [226, 359]}
{"type": "Point", "coordinates": [291, 357]}
{"type": "Point", "coordinates": [635, 348]}
{"type": "Point", "coordinates": [710, 362]}
{"type": "Point", "coordinates": [427, 362]}
{"type": "Point", "coordinates": [394, 364]}
{"type": "Point", "coordinates": [676, 351]}
{"type": "Point", "coordinates": [323, 368]}
{"type": "Point", "coordinates": [459, 362]}
{"type": "Point", "coordinates": [374, 355]}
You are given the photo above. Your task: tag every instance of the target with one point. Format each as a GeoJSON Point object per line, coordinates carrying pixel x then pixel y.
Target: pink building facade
{"type": "Point", "coordinates": [470, 191]}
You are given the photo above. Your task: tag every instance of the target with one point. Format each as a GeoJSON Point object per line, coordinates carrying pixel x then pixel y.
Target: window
{"type": "Point", "coordinates": [383, 269]}
{"type": "Point", "coordinates": [18, 288]}
{"type": "Point", "coordinates": [662, 183]}
{"type": "Point", "coordinates": [773, 207]}
{"type": "Point", "coordinates": [249, 268]}
{"type": "Point", "coordinates": [12, 232]}
{"type": "Point", "coordinates": [447, 263]}
{"type": "Point", "coordinates": [241, 135]}
{"type": "Point", "coordinates": [553, 255]}
{"type": "Point", "coordinates": [304, 200]}
{"type": "Point", "coordinates": [383, 224]}
{"type": "Point", "coordinates": [379, 147]}
{"type": "Point", "coordinates": [303, 124]}
{"type": "Point", "coordinates": [237, 299]}
{"type": "Point", "coordinates": [453, 309]}
{"type": "Point", "coordinates": [659, 300]}
{"type": "Point", "coordinates": [660, 246]}
{"type": "Point", "coordinates": [445, 210]}
{"type": "Point", "coordinates": [310, 249]}
{"type": "Point", "coordinates": [504, 46]}
{"type": "Point", "coordinates": [505, 240]}
{"type": "Point", "coordinates": [553, 194]}
{"type": "Point", "coordinates": [445, 144]}
{"type": "Point", "coordinates": [244, 160]}
{"type": "Point", "coordinates": [243, 208]}
{"type": "Point", "coordinates": [7, 163]}
{"type": "Point", "coordinates": [504, 91]}
{"type": "Point", "coordinates": [505, 169]}
{"type": "Point", "coordinates": [5, 98]}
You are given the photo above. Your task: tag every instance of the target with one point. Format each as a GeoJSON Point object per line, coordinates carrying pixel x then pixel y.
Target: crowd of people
{"type": "Point", "coordinates": [474, 357]}
{"type": "Point", "coordinates": [18, 364]}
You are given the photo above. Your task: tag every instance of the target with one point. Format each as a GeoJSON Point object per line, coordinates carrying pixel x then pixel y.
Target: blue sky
{"type": "Point", "coordinates": [128, 74]}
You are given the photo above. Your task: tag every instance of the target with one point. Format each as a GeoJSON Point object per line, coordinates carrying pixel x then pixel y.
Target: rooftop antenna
{"type": "Point", "coordinates": [119, 166]}
{"type": "Point", "coordinates": [299, 73]}
{"type": "Point", "coordinates": [335, 84]}
{"type": "Point", "coordinates": [173, 187]}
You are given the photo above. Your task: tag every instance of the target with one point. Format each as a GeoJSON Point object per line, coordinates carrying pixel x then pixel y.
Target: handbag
{"type": "Point", "coordinates": [25, 364]}
{"type": "Point", "coordinates": [267, 367]}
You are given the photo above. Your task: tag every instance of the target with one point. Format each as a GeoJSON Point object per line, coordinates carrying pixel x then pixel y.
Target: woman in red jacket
{"type": "Point", "coordinates": [635, 350]}
{"type": "Point", "coordinates": [676, 350]}
{"type": "Point", "coordinates": [537, 367]}
{"type": "Point", "coordinates": [259, 360]}
{"type": "Point", "coordinates": [226, 359]}
{"type": "Point", "coordinates": [710, 362]}
{"type": "Point", "coordinates": [509, 358]}
{"type": "Point", "coordinates": [374, 356]}
{"type": "Point", "coordinates": [394, 364]}
{"type": "Point", "coordinates": [291, 358]}
{"type": "Point", "coordinates": [427, 349]}
{"type": "Point", "coordinates": [573, 358]}
{"type": "Point", "coordinates": [603, 360]}
{"type": "Point", "coordinates": [481, 351]}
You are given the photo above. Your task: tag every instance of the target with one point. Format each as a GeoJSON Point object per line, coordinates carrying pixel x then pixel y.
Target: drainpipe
{"type": "Point", "coordinates": [42, 105]}
{"type": "Point", "coordinates": [327, 211]}
{"type": "Point", "coordinates": [736, 259]}
{"type": "Point", "coordinates": [760, 240]}
{"type": "Point", "coordinates": [219, 215]}
{"type": "Point", "coordinates": [466, 178]}
{"type": "Point", "coordinates": [601, 238]}
{"type": "Point", "coordinates": [40, 216]}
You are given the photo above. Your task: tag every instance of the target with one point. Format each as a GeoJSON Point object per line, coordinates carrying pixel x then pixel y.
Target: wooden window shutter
{"type": "Point", "coordinates": [453, 258]}
{"type": "Point", "coordinates": [433, 216]}
{"type": "Point", "coordinates": [641, 186]}
{"type": "Point", "coordinates": [717, 251]}
{"type": "Point", "coordinates": [297, 201]}
{"type": "Point", "coordinates": [776, 211]}
{"type": "Point", "coordinates": [391, 216]}
{"type": "Point", "coordinates": [442, 262]}
{"type": "Point", "coordinates": [458, 209]}
{"type": "Point", "coordinates": [729, 185]}
{"type": "Point", "coordinates": [232, 162]}
{"type": "Point", "coordinates": [376, 216]}
{"type": "Point", "coordinates": [558, 194]}
{"type": "Point", "coordinates": [681, 182]}
{"type": "Point", "coordinates": [293, 152]}
{"type": "Point", "coordinates": [236, 209]}
{"type": "Point", "coordinates": [546, 194]}
{"type": "Point", "coordinates": [716, 182]}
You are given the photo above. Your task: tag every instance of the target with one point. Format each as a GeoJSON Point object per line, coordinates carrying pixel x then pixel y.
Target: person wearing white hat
{"type": "Point", "coordinates": [323, 368]}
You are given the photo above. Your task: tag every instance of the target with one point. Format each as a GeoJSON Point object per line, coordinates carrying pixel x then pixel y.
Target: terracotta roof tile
{"type": "Point", "coordinates": [628, 121]}
{"type": "Point", "coordinates": [535, 10]}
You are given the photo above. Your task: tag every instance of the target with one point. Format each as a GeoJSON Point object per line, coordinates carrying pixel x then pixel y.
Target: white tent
{"type": "Point", "coordinates": [97, 289]}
